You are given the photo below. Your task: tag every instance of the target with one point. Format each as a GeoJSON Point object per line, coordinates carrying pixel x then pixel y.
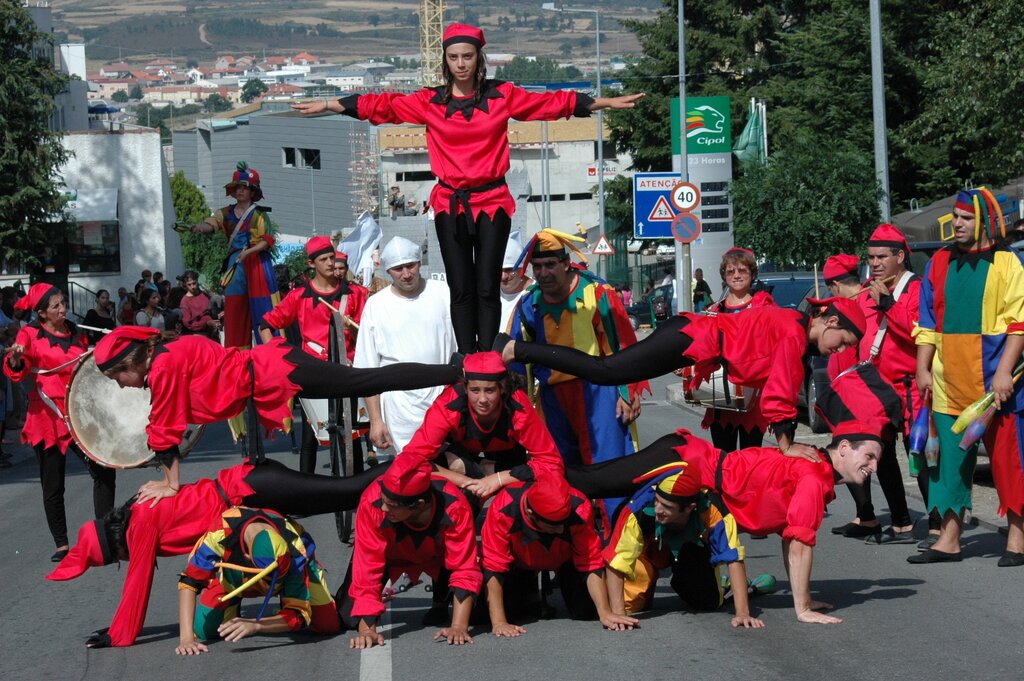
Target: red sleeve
{"type": "Point", "coordinates": [436, 428]}
{"type": "Point", "coordinates": [368, 559]}
{"type": "Point", "coordinates": [905, 312]}
{"type": "Point", "coordinates": [169, 405]}
{"type": "Point", "coordinates": [286, 312]}
{"type": "Point", "coordinates": [586, 547]}
{"type": "Point", "coordinates": [18, 375]}
{"type": "Point", "coordinates": [495, 538]}
{"type": "Point", "coordinates": [460, 555]}
{"type": "Point", "coordinates": [782, 387]}
{"type": "Point", "coordinates": [540, 106]}
{"type": "Point", "coordinates": [138, 582]}
{"type": "Point", "coordinates": [807, 507]}
{"type": "Point", "coordinates": [841, 361]}
{"type": "Point", "coordinates": [393, 107]}
{"type": "Point", "coordinates": [529, 431]}
{"type": "Point", "coordinates": [356, 302]}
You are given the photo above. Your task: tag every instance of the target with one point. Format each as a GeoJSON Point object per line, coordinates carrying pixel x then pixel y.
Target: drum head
{"type": "Point", "coordinates": [109, 422]}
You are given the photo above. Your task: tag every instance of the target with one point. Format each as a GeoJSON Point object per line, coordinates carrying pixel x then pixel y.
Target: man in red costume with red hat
{"type": "Point", "coordinates": [310, 306]}
{"type": "Point", "coordinates": [768, 493]}
{"type": "Point", "coordinates": [544, 525]}
{"type": "Point", "coordinates": [889, 301]}
{"type": "Point", "coordinates": [467, 139]}
{"type": "Point", "coordinates": [411, 522]}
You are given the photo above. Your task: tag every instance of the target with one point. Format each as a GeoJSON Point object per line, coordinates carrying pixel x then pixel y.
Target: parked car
{"type": "Point", "coordinates": [655, 307]}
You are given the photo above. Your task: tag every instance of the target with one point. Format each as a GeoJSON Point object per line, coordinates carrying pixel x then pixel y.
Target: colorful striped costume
{"type": "Point", "coordinates": [970, 302]}
{"type": "Point", "coordinates": [581, 415]}
{"type": "Point", "coordinates": [640, 548]}
{"type": "Point", "coordinates": [252, 291]}
{"type": "Point", "coordinates": [221, 562]}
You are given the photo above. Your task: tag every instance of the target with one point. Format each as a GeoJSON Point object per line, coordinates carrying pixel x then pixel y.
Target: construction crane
{"type": "Point", "coordinates": [431, 30]}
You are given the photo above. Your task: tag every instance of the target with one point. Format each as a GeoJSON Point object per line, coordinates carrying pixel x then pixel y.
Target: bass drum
{"type": "Point", "coordinates": [109, 422]}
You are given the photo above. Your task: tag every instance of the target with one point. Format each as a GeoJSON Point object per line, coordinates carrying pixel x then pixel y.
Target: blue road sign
{"type": "Point", "coordinates": [652, 205]}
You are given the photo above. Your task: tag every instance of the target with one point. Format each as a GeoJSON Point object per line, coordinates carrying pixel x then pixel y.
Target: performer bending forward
{"type": "Point", "coordinates": [194, 380]}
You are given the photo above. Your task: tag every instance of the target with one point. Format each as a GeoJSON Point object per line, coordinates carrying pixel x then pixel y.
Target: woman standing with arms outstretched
{"type": "Point", "coordinates": [467, 138]}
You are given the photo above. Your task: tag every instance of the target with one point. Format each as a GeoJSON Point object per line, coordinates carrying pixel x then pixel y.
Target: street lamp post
{"type": "Point", "coordinates": [550, 6]}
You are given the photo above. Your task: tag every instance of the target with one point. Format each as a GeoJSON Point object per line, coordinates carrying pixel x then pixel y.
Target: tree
{"type": "Point", "coordinates": [31, 202]}
{"type": "Point", "coordinates": [526, 71]}
{"type": "Point", "coordinates": [120, 96]}
{"type": "Point", "coordinates": [252, 89]}
{"type": "Point", "coordinates": [216, 103]}
{"type": "Point", "coordinates": [813, 199]}
{"type": "Point", "coordinates": [136, 92]}
{"type": "Point", "coordinates": [203, 253]}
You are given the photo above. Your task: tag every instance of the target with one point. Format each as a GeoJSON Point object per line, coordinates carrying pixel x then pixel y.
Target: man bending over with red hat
{"type": "Point", "coordinates": [412, 522]}
{"type": "Point", "coordinates": [544, 525]}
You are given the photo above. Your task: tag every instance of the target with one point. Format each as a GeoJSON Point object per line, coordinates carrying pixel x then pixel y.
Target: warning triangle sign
{"type": "Point", "coordinates": [662, 212]}
{"type": "Point", "coordinates": [603, 247]}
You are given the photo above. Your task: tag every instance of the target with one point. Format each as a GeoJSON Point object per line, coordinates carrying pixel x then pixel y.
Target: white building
{"type": "Point", "coordinates": [120, 198]}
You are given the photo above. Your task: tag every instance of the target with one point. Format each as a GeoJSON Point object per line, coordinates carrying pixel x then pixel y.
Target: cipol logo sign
{"type": "Point", "coordinates": [708, 125]}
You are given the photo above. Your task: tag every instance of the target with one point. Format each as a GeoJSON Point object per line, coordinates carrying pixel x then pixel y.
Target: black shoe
{"type": "Point", "coordinates": [500, 341]}
{"type": "Point", "coordinates": [927, 542]}
{"type": "Point", "coordinates": [59, 555]}
{"type": "Point", "coordinates": [456, 360]}
{"type": "Point", "coordinates": [934, 556]}
{"type": "Point", "coordinates": [1011, 559]}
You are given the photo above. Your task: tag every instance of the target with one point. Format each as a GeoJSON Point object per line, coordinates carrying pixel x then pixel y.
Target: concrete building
{"type": "Point", "coordinates": [120, 197]}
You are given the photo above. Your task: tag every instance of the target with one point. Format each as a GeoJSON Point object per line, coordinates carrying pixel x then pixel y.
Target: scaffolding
{"type": "Point", "coordinates": [365, 169]}
{"type": "Point", "coordinates": [431, 32]}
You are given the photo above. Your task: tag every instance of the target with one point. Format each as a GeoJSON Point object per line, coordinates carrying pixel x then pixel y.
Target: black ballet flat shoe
{"type": "Point", "coordinates": [457, 360]}
{"type": "Point", "coordinates": [841, 529]}
{"type": "Point", "coordinates": [934, 556]}
{"type": "Point", "coordinates": [927, 542]}
{"type": "Point", "coordinates": [860, 531]}
{"type": "Point", "coordinates": [59, 555]}
{"type": "Point", "coordinates": [1011, 559]}
{"type": "Point", "coordinates": [500, 341]}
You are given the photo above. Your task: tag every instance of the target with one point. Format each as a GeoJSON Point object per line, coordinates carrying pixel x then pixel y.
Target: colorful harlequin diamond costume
{"type": "Point", "coordinates": [223, 560]}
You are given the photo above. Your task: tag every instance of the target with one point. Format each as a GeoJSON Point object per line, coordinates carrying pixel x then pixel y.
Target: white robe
{"type": "Point", "coordinates": [395, 329]}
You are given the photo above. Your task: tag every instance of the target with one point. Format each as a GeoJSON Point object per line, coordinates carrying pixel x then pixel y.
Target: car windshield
{"type": "Point", "coordinates": [789, 292]}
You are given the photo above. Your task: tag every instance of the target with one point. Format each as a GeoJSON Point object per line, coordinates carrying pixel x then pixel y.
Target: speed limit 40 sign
{"type": "Point", "coordinates": [685, 197]}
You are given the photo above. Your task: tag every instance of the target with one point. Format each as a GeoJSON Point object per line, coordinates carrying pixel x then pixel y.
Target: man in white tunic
{"type": "Point", "coordinates": [408, 321]}
{"type": "Point", "coordinates": [513, 286]}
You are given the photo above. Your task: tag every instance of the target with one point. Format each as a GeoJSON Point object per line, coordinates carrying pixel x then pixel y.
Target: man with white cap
{"type": "Point", "coordinates": [513, 285]}
{"type": "Point", "coordinates": [410, 318]}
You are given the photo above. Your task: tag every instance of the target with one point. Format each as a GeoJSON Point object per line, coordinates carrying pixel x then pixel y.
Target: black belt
{"type": "Point", "coordinates": [461, 196]}
{"type": "Point", "coordinates": [254, 452]}
{"type": "Point", "coordinates": [223, 494]}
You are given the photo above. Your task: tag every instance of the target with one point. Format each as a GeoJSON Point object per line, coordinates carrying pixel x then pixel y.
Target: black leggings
{"type": "Point", "coordinates": [52, 466]}
{"type": "Point", "coordinates": [890, 479]}
{"type": "Point", "coordinates": [473, 269]}
{"type": "Point", "coordinates": [731, 438]}
{"type": "Point", "coordinates": [310, 446]}
{"type": "Point", "coordinates": [656, 355]}
{"type": "Point", "coordinates": [318, 379]}
{"type": "Point", "coordinates": [287, 491]}
{"type": "Point", "coordinates": [614, 479]}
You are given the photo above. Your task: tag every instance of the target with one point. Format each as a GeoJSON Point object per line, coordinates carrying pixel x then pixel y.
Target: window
{"type": "Point", "coordinates": [581, 196]}
{"type": "Point", "coordinates": [310, 158]}
{"type": "Point", "coordinates": [94, 247]}
{"type": "Point", "coordinates": [415, 176]}
{"type": "Point", "coordinates": [288, 157]}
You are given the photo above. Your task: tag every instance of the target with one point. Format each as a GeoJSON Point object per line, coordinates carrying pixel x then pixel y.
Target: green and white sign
{"type": "Point", "coordinates": [708, 125]}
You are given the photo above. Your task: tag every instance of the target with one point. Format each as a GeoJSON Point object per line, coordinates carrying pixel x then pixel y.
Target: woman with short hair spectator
{"type": "Point", "coordinates": [150, 315]}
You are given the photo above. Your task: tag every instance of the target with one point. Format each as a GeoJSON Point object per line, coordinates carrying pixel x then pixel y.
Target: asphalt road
{"type": "Point", "coordinates": [949, 621]}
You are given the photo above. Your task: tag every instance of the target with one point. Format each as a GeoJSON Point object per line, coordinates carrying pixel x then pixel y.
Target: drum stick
{"type": "Point", "coordinates": [347, 319]}
{"type": "Point", "coordinates": [94, 328]}
{"type": "Point", "coordinates": [250, 582]}
{"type": "Point", "coordinates": [81, 358]}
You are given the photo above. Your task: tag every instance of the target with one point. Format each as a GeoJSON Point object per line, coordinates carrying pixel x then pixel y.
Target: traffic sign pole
{"type": "Point", "coordinates": [683, 261]}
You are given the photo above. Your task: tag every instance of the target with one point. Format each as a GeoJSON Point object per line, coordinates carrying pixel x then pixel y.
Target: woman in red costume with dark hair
{"type": "Point", "coordinates": [192, 379]}
{"type": "Point", "coordinates": [467, 139]}
{"type": "Point", "coordinates": [485, 414]}
{"type": "Point", "coordinates": [48, 342]}
{"type": "Point", "coordinates": [731, 430]}
{"type": "Point", "coordinates": [761, 348]}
